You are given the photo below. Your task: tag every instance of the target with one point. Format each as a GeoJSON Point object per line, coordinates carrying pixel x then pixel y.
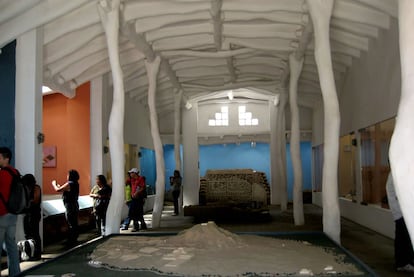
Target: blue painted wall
{"type": "Point", "coordinates": [148, 166]}
{"type": "Point", "coordinates": [243, 156]}
{"type": "Point", "coordinates": [7, 95]}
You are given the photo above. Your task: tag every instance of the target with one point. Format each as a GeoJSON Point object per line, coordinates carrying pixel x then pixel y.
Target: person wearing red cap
{"type": "Point", "coordinates": [136, 210]}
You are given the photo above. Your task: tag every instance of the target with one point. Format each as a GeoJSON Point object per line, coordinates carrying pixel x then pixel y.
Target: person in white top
{"type": "Point", "coordinates": [403, 249]}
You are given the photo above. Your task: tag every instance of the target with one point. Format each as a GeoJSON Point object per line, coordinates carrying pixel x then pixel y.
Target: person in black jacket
{"type": "Point", "coordinates": [33, 215]}
{"type": "Point", "coordinates": [70, 196]}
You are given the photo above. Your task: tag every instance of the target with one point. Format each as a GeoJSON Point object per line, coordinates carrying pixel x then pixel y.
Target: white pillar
{"type": "Point", "coordinates": [401, 149]}
{"type": "Point", "coordinates": [177, 141]}
{"type": "Point", "coordinates": [110, 22]}
{"type": "Point", "coordinates": [28, 109]}
{"type": "Point", "coordinates": [295, 66]}
{"type": "Point", "coordinates": [320, 11]}
{"type": "Point", "coordinates": [281, 152]}
{"type": "Point", "coordinates": [97, 138]}
{"type": "Point", "coordinates": [177, 129]}
{"type": "Point", "coordinates": [274, 172]}
{"type": "Point", "coordinates": [152, 72]}
{"type": "Point", "coordinates": [191, 171]}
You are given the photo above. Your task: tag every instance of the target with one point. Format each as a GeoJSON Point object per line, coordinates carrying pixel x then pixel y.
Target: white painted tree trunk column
{"type": "Point", "coordinates": [177, 141]}
{"type": "Point", "coordinates": [281, 152]}
{"type": "Point", "coordinates": [320, 11]}
{"type": "Point", "coordinates": [401, 149]}
{"type": "Point", "coordinates": [110, 22]}
{"type": "Point", "coordinates": [295, 66]}
{"type": "Point", "coordinates": [152, 72]}
{"type": "Point", "coordinates": [177, 129]}
{"type": "Point", "coordinates": [274, 172]}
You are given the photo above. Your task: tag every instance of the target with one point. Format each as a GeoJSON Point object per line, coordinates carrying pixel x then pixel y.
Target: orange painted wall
{"type": "Point", "coordinates": [66, 125]}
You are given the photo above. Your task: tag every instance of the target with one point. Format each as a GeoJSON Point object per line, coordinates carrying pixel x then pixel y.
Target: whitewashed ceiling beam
{"type": "Point", "coordinates": [273, 44]}
{"type": "Point", "coordinates": [183, 42]}
{"type": "Point", "coordinates": [265, 6]}
{"type": "Point", "coordinates": [230, 86]}
{"type": "Point", "coordinates": [12, 8]}
{"type": "Point", "coordinates": [200, 54]}
{"type": "Point", "coordinates": [272, 16]}
{"type": "Point", "coordinates": [149, 8]}
{"type": "Point", "coordinates": [181, 30]}
{"type": "Point", "coordinates": [72, 21]}
{"type": "Point", "coordinates": [354, 11]}
{"type": "Point", "coordinates": [197, 62]}
{"type": "Point", "coordinates": [358, 29]}
{"type": "Point", "coordinates": [30, 19]}
{"type": "Point", "coordinates": [251, 30]}
{"type": "Point", "coordinates": [71, 42]}
{"type": "Point", "coordinates": [146, 24]}
{"type": "Point", "coordinates": [388, 6]}
{"type": "Point", "coordinates": [127, 56]}
{"type": "Point", "coordinates": [349, 39]}
{"type": "Point", "coordinates": [95, 45]}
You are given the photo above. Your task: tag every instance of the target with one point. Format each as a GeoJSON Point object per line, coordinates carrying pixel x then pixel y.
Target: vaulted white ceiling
{"type": "Point", "coordinates": [205, 45]}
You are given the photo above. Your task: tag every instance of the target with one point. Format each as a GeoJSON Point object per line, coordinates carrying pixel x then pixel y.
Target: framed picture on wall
{"type": "Point", "coordinates": [49, 156]}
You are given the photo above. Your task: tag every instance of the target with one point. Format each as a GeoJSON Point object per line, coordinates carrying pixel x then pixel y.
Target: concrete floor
{"type": "Point", "coordinates": [373, 249]}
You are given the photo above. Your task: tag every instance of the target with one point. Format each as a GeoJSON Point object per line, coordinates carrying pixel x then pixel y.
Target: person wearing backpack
{"type": "Point", "coordinates": [8, 220]}
{"type": "Point", "coordinates": [70, 195]}
{"type": "Point", "coordinates": [33, 215]}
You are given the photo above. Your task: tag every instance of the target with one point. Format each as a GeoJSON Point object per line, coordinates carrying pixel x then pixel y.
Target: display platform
{"type": "Point", "coordinates": [202, 251]}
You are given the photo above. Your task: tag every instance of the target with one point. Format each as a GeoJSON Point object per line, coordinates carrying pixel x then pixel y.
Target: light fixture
{"type": "Point", "coordinates": [188, 105]}
{"type": "Point", "coordinates": [46, 89]}
{"type": "Point", "coordinates": [276, 100]}
{"type": "Point", "coordinates": [230, 95]}
{"type": "Point", "coordinates": [40, 137]}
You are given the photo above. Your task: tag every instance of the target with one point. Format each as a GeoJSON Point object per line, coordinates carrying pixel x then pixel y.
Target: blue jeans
{"type": "Point", "coordinates": [127, 220]}
{"type": "Point", "coordinates": [8, 236]}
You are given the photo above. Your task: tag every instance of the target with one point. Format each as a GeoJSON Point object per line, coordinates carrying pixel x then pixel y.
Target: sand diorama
{"type": "Point", "coordinates": [208, 250]}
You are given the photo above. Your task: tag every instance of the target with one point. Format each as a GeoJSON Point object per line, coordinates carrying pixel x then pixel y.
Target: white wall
{"type": "Point", "coordinates": [371, 91]}
{"type": "Point", "coordinates": [137, 124]}
{"type": "Point", "coordinates": [258, 110]}
{"type": "Point", "coordinates": [370, 216]}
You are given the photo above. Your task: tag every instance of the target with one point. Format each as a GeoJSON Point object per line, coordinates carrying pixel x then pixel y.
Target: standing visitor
{"type": "Point", "coordinates": [70, 195]}
{"type": "Point", "coordinates": [8, 220]}
{"type": "Point", "coordinates": [101, 198]}
{"type": "Point", "coordinates": [175, 182]}
{"type": "Point", "coordinates": [33, 215]}
{"type": "Point", "coordinates": [138, 195]}
{"type": "Point", "coordinates": [403, 249]}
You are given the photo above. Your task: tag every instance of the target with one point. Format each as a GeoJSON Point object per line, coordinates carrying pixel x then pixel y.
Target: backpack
{"type": "Point", "coordinates": [19, 198]}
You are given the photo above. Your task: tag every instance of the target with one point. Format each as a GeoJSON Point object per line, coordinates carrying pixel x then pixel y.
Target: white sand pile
{"type": "Point", "coordinates": [206, 236]}
{"type": "Point", "coordinates": [208, 250]}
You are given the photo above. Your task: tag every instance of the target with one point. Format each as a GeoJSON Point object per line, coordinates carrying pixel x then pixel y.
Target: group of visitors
{"type": "Point", "coordinates": [135, 195]}
{"type": "Point", "coordinates": [8, 220]}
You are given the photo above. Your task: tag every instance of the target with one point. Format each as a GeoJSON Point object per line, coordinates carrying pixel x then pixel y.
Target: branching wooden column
{"type": "Point", "coordinates": [320, 11]}
{"type": "Point", "coordinates": [152, 72]}
{"type": "Point", "coordinates": [401, 149]}
{"type": "Point", "coordinates": [109, 13]}
{"type": "Point", "coordinates": [295, 66]}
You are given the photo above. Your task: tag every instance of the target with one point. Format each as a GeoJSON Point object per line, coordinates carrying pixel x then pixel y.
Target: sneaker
{"type": "Point", "coordinates": [124, 228]}
{"type": "Point", "coordinates": [406, 268]}
{"type": "Point", "coordinates": [135, 230]}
